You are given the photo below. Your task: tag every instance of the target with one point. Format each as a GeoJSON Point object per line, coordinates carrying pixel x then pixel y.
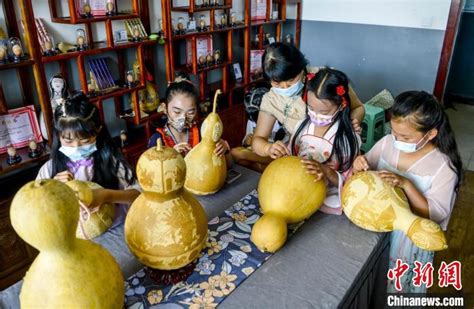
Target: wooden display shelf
{"type": "Point", "coordinates": [99, 48]}
{"type": "Point", "coordinates": [197, 33]}
{"type": "Point", "coordinates": [151, 117]}
{"type": "Point", "coordinates": [13, 65]}
{"type": "Point", "coordinates": [200, 9]}
{"type": "Point", "coordinates": [80, 20]}
{"type": "Point", "coordinates": [266, 22]}
{"type": "Point", "coordinates": [25, 160]}
{"type": "Point", "coordinates": [116, 93]}
{"type": "Point", "coordinates": [213, 67]}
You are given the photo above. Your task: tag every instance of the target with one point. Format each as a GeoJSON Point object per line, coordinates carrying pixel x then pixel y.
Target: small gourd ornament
{"type": "Point", "coordinates": [68, 272]}
{"type": "Point", "coordinates": [92, 221]}
{"type": "Point", "coordinates": [372, 204]}
{"type": "Point", "coordinates": [206, 172]}
{"type": "Point", "coordinates": [287, 194]}
{"type": "Point", "coordinates": [166, 227]}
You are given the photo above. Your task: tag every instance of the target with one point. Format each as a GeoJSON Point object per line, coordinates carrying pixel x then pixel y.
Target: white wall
{"type": "Point", "coordinates": [427, 14]}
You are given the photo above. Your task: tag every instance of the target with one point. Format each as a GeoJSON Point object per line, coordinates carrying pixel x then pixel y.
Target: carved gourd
{"type": "Point", "coordinates": [92, 221]}
{"type": "Point", "coordinates": [206, 172]}
{"type": "Point", "coordinates": [166, 227]}
{"type": "Point", "coordinates": [68, 272]}
{"type": "Point", "coordinates": [372, 204]}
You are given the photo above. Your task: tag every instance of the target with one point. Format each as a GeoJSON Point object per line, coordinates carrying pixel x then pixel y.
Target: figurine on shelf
{"type": "Point", "coordinates": [210, 60]}
{"type": "Point", "coordinates": [58, 90]}
{"type": "Point", "coordinates": [129, 80]}
{"type": "Point", "coordinates": [214, 3]}
{"type": "Point", "coordinates": [123, 138]}
{"type": "Point", "coordinates": [34, 150]}
{"type": "Point", "coordinates": [58, 93]}
{"type": "Point", "coordinates": [233, 19]}
{"type": "Point", "coordinates": [223, 21]}
{"type": "Point", "coordinates": [13, 157]}
{"type": "Point", "coordinates": [86, 9]}
{"type": "Point", "coordinates": [202, 61]}
{"type": "Point", "coordinates": [16, 50]}
{"type": "Point", "coordinates": [48, 47]}
{"type": "Point", "coordinates": [191, 24]}
{"type": "Point", "coordinates": [202, 24]}
{"type": "Point", "coordinates": [136, 34]}
{"type": "Point", "coordinates": [257, 40]}
{"type": "Point", "coordinates": [3, 52]}
{"type": "Point", "coordinates": [161, 32]}
{"type": "Point", "coordinates": [217, 57]}
{"type": "Point", "coordinates": [205, 3]}
{"type": "Point", "coordinates": [81, 40]}
{"type": "Point", "coordinates": [180, 29]}
{"type": "Point", "coordinates": [110, 8]}
{"type": "Point", "coordinates": [204, 107]}
{"type": "Point", "coordinates": [288, 39]}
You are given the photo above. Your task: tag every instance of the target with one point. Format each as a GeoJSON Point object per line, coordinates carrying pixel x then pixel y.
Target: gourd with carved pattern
{"type": "Point", "coordinates": [206, 172]}
{"type": "Point", "coordinates": [374, 205]}
{"type": "Point", "coordinates": [98, 220]}
{"type": "Point", "coordinates": [68, 272]}
{"type": "Point", "coordinates": [288, 194]}
{"type": "Point", "coordinates": [166, 227]}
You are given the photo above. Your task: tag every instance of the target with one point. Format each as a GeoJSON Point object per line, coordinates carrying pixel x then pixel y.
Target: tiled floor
{"type": "Point", "coordinates": [462, 122]}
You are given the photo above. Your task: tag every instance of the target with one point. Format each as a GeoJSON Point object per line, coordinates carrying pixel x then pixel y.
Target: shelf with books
{"type": "Point", "coordinates": [120, 91]}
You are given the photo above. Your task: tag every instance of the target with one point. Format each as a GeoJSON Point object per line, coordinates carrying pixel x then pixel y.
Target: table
{"type": "Point", "coordinates": [328, 263]}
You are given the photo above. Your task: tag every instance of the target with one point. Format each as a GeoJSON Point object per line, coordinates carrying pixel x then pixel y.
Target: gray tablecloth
{"type": "Point", "coordinates": [328, 263]}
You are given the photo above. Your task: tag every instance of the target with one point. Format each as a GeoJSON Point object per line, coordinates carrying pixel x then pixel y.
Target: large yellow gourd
{"type": "Point", "coordinates": [68, 272]}
{"type": "Point", "coordinates": [374, 205]}
{"type": "Point", "coordinates": [96, 221]}
{"type": "Point", "coordinates": [166, 227]}
{"type": "Point", "coordinates": [287, 193]}
{"type": "Point", "coordinates": [206, 172]}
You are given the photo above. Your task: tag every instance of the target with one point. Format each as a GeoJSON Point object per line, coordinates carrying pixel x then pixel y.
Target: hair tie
{"type": "Point", "coordinates": [341, 91]}
{"type": "Point", "coordinates": [180, 79]}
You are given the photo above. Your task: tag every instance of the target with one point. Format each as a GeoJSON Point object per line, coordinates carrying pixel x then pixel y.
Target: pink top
{"type": "Point", "coordinates": [85, 173]}
{"type": "Point", "coordinates": [431, 175]}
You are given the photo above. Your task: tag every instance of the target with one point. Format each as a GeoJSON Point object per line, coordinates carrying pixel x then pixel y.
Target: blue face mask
{"type": "Point", "coordinates": [78, 153]}
{"type": "Point", "coordinates": [292, 91]}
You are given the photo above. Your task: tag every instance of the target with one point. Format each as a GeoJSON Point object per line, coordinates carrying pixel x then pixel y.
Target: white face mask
{"type": "Point", "coordinates": [292, 91]}
{"type": "Point", "coordinates": [409, 147]}
{"type": "Point", "coordinates": [79, 153]}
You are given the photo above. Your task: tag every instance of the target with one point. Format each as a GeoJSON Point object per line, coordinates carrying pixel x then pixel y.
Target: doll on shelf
{"type": "Point", "coordinates": [13, 156]}
{"type": "Point", "coordinates": [58, 93]}
{"type": "Point", "coordinates": [34, 150]}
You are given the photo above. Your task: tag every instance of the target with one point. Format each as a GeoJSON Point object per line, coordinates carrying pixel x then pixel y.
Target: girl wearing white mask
{"type": "Point", "coordinates": [420, 157]}
{"type": "Point", "coordinates": [286, 69]}
{"type": "Point", "coordinates": [325, 139]}
{"type": "Point", "coordinates": [180, 130]}
{"type": "Point", "coordinates": [82, 149]}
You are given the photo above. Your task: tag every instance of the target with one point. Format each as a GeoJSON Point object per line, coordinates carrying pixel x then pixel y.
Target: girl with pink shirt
{"type": "Point", "coordinates": [82, 149]}
{"type": "Point", "coordinates": [420, 157]}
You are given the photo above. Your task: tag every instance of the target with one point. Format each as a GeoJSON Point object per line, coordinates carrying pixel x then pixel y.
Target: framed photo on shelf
{"type": "Point", "coordinates": [259, 10]}
{"type": "Point", "coordinates": [237, 72]}
{"type": "Point", "coordinates": [98, 7]}
{"type": "Point", "coordinates": [256, 60]}
{"type": "Point", "coordinates": [203, 48]}
{"type": "Point", "coordinates": [18, 127]}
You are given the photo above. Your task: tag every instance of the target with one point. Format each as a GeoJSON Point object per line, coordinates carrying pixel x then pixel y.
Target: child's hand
{"type": "Point", "coordinates": [248, 140]}
{"type": "Point", "coordinates": [64, 176]}
{"type": "Point", "coordinates": [100, 197]}
{"type": "Point", "coordinates": [393, 179]}
{"type": "Point", "coordinates": [277, 150]}
{"type": "Point", "coordinates": [313, 168]}
{"type": "Point", "coordinates": [356, 126]}
{"type": "Point", "coordinates": [360, 164]}
{"type": "Point", "coordinates": [183, 148]}
{"type": "Point", "coordinates": [222, 147]}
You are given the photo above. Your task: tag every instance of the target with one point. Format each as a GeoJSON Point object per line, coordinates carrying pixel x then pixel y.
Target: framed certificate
{"type": "Point", "coordinates": [203, 48]}
{"type": "Point", "coordinates": [18, 127]}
